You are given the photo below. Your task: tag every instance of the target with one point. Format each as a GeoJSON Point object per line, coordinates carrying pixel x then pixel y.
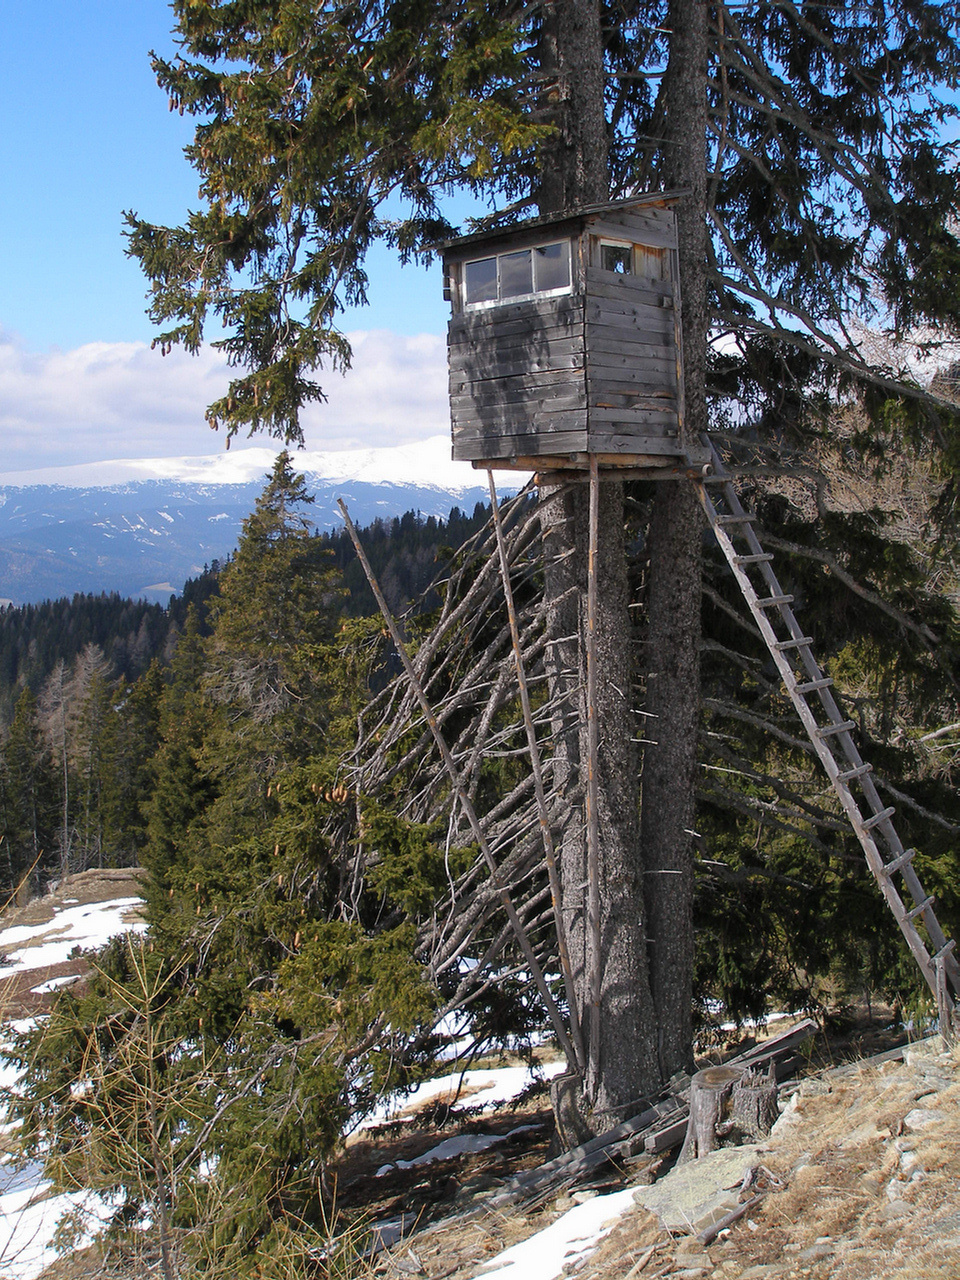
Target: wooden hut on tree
{"type": "Point", "coordinates": [565, 355]}
{"type": "Point", "coordinates": [565, 341]}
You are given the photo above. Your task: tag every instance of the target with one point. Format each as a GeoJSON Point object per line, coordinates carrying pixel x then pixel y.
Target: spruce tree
{"type": "Point", "coordinates": [30, 810]}
{"type": "Point", "coordinates": [131, 741]}
{"type": "Point", "coordinates": [279, 1003]}
{"type": "Point", "coordinates": [807, 139]}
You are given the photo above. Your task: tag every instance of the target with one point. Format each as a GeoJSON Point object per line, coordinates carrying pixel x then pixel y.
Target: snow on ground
{"type": "Point", "coordinates": [29, 1218]}
{"type": "Point", "coordinates": [459, 1145]}
{"type": "Point", "coordinates": [28, 1214]}
{"type": "Point", "coordinates": [577, 1232]}
{"type": "Point", "coordinates": [485, 1090]}
{"type": "Point", "coordinates": [34, 946]}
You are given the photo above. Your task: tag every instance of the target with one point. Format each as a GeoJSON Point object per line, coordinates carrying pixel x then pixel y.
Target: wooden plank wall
{"type": "Point", "coordinates": [517, 373]}
{"type": "Point", "coordinates": [631, 337]}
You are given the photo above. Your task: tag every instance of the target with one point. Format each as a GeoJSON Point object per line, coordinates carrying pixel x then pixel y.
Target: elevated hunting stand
{"type": "Point", "coordinates": [565, 354]}
{"type": "Point", "coordinates": [565, 345]}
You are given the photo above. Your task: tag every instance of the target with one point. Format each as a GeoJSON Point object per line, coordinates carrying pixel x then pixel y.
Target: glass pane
{"type": "Point", "coordinates": [480, 281]}
{"type": "Point", "coordinates": [551, 265]}
{"type": "Point", "coordinates": [617, 257]}
{"type": "Point", "coordinates": [516, 274]}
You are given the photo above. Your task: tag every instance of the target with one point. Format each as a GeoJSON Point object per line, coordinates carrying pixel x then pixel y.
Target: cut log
{"type": "Point", "coordinates": [735, 1102]}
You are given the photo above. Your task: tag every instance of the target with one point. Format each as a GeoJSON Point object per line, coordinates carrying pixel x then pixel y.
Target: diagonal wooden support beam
{"type": "Point", "coordinates": [543, 809]}
{"type": "Point", "coordinates": [536, 972]}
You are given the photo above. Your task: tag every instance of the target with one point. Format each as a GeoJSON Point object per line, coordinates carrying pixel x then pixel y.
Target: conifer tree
{"type": "Point", "coordinates": [280, 1003]}
{"type": "Point", "coordinates": [180, 791]}
{"type": "Point", "coordinates": [807, 137]}
{"type": "Point", "coordinates": [30, 798]}
{"type": "Point", "coordinates": [53, 716]}
{"type": "Point", "coordinates": [130, 744]}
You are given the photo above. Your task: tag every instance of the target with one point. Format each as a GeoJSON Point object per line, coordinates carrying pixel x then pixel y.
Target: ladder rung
{"type": "Point", "coordinates": [920, 908]}
{"type": "Point", "coordinates": [798, 643]}
{"type": "Point", "coordinates": [877, 818]}
{"type": "Point", "coordinates": [891, 868]}
{"type": "Point", "coordinates": [812, 685]}
{"type": "Point", "coordinates": [768, 602]}
{"type": "Point", "coordinates": [763, 557]}
{"type": "Point", "coordinates": [849, 774]}
{"type": "Point", "coordinates": [843, 726]}
{"type": "Point", "coordinates": [746, 518]}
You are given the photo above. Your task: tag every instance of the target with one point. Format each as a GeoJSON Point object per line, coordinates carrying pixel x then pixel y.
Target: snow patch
{"type": "Point", "coordinates": [34, 946]}
{"type": "Point", "coordinates": [461, 1144]}
{"type": "Point", "coordinates": [29, 1214]}
{"type": "Point", "coordinates": [575, 1234]}
{"type": "Point", "coordinates": [485, 1090]}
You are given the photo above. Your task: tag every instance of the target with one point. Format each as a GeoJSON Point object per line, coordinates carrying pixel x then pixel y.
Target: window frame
{"type": "Point", "coordinates": [608, 242]}
{"type": "Point", "coordinates": [488, 304]}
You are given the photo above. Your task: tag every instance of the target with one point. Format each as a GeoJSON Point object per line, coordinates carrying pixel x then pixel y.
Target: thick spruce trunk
{"type": "Point", "coordinates": [674, 583]}
{"type": "Point", "coordinates": [620, 1035]}
{"type": "Point", "coordinates": [621, 1042]}
{"type": "Point", "coordinates": [640, 1033]}
{"type": "Point", "coordinates": [669, 765]}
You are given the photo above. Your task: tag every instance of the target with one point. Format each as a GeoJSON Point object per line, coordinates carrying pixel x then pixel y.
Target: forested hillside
{"type": "Point", "coordinates": [81, 680]}
{"type": "Point", "coordinates": [315, 903]}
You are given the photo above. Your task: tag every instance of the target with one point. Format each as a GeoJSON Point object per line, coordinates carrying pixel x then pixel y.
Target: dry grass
{"type": "Point", "coordinates": [835, 1219]}
{"type": "Point", "coordinates": [849, 1210]}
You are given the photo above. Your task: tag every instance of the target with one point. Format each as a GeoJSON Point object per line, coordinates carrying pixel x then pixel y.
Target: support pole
{"type": "Point", "coordinates": [594, 960]}
{"type": "Point", "coordinates": [461, 794]}
{"type": "Point", "coordinates": [549, 850]}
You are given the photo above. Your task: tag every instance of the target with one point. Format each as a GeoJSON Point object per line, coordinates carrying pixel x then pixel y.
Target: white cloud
{"type": "Point", "coordinates": [124, 400]}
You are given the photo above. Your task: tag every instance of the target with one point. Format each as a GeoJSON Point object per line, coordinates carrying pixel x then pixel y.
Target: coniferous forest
{"type": "Point", "coordinates": [321, 916]}
{"type": "Point", "coordinates": [81, 682]}
{"type": "Point", "coordinates": [286, 983]}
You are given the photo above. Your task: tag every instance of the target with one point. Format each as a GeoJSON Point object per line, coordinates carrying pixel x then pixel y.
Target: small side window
{"type": "Point", "coordinates": [617, 258]}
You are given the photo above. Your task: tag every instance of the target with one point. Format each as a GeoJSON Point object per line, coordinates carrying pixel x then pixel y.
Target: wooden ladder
{"type": "Point", "coordinates": [829, 732]}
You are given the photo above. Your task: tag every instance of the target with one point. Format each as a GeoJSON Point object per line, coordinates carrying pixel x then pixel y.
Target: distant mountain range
{"type": "Point", "coordinates": [142, 527]}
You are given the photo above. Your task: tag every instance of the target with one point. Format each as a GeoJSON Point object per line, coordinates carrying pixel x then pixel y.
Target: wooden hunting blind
{"type": "Point", "coordinates": [565, 340]}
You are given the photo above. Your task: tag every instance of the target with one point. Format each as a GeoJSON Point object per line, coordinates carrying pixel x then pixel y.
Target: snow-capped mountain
{"type": "Point", "coordinates": [141, 527]}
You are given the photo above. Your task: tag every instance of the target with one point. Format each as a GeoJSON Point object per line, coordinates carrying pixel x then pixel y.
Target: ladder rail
{"type": "Point", "coordinates": [830, 734]}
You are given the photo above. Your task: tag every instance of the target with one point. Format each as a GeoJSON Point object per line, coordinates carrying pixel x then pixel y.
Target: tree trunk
{"type": "Point", "coordinates": [669, 765]}
{"type": "Point", "coordinates": [622, 1065]}
{"type": "Point", "coordinates": [640, 1033]}
{"type": "Point", "coordinates": [674, 582]}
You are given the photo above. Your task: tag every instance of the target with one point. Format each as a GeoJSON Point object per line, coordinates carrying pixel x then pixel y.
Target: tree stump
{"type": "Point", "coordinates": [710, 1092]}
{"type": "Point", "coordinates": [728, 1102]}
{"type": "Point", "coordinates": [754, 1105]}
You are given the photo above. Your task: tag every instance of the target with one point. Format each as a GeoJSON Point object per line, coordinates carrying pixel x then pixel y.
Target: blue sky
{"type": "Point", "coordinates": [86, 134]}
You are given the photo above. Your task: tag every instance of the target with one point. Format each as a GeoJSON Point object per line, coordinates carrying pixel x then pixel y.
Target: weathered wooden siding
{"type": "Point", "coordinates": [516, 374]}
{"type": "Point", "coordinates": [630, 338]}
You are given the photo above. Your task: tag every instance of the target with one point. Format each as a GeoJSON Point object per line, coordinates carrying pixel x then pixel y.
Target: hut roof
{"type": "Point", "coordinates": [570, 221]}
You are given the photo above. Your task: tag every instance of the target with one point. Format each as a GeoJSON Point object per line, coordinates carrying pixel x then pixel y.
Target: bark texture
{"type": "Point", "coordinates": [669, 766]}
{"type": "Point", "coordinates": [574, 169]}
{"type": "Point", "coordinates": [640, 1032]}
{"type": "Point", "coordinates": [674, 582]}
{"type": "Point", "coordinates": [620, 1036]}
